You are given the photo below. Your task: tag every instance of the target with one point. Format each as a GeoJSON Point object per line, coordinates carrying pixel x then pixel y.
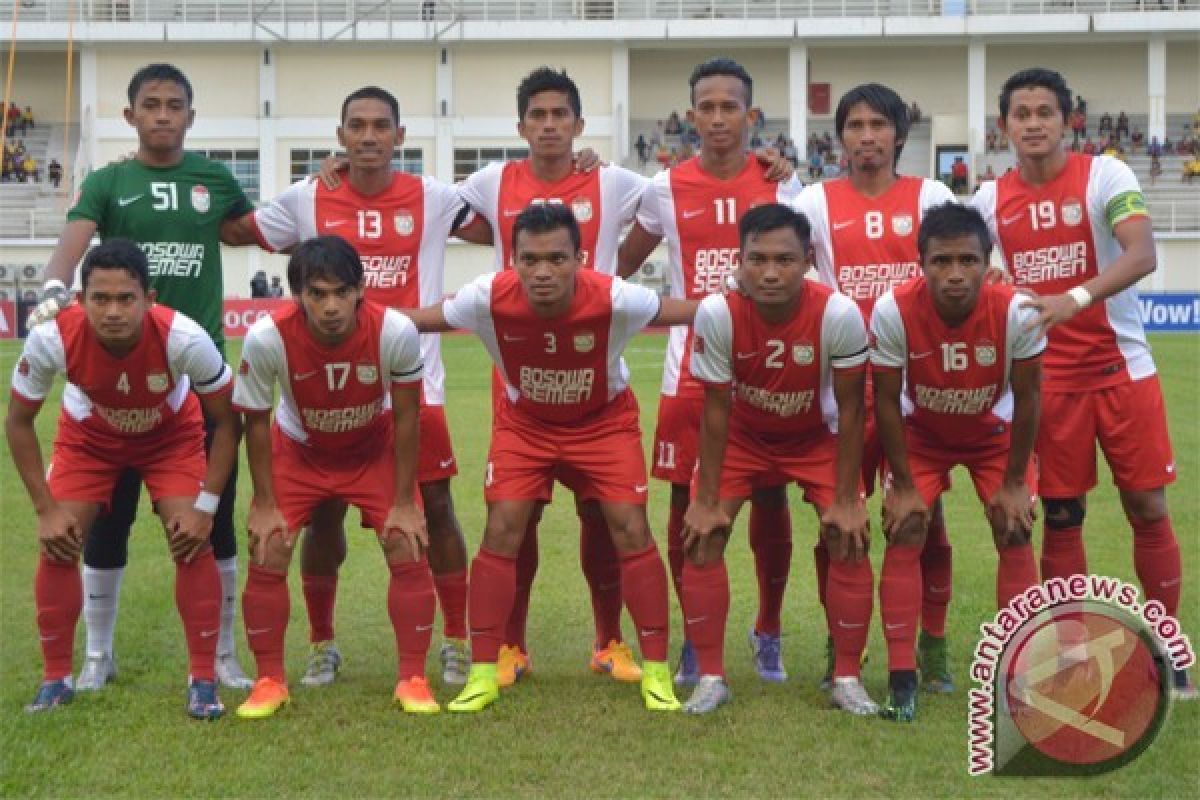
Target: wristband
{"type": "Point", "coordinates": [1081, 296]}
{"type": "Point", "coordinates": [207, 502]}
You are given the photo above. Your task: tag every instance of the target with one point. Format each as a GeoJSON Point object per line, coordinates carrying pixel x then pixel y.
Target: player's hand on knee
{"type": "Point", "coordinates": [1012, 513]}
{"type": "Point", "coordinates": [55, 298]}
{"type": "Point", "coordinates": [406, 521]}
{"type": "Point", "coordinates": [904, 513]}
{"type": "Point", "coordinates": [846, 527]}
{"type": "Point", "coordinates": [188, 532]}
{"type": "Point", "coordinates": [331, 168]}
{"type": "Point", "coordinates": [701, 520]}
{"type": "Point", "coordinates": [263, 523]}
{"type": "Point", "coordinates": [60, 535]}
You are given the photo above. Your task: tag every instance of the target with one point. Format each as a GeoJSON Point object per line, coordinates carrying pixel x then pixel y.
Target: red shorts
{"type": "Point", "coordinates": [599, 458]}
{"type": "Point", "coordinates": [1130, 422]}
{"type": "Point", "coordinates": [435, 454]}
{"type": "Point", "coordinates": [930, 465]}
{"type": "Point", "coordinates": [171, 462]}
{"type": "Point", "coordinates": [752, 462]}
{"type": "Point", "coordinates": [304, 481]}
{"type": "Point", "coordinates": [677, 438]}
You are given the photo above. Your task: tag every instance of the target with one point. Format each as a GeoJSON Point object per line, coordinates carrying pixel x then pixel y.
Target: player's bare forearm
{"type": "Point", "coordinates": [634, 251]}
{"type": "Point", "coordinates": [258, 455]}
{"type": "Point", "coordinates": [406, 406]}
{"type": "Point", "coordinates": [479, 231]}
{"type": "Point", "coordinates": [714, 434]}
{"type": "Point", "coordinates": [848, 390]}
{"type": "Point", "coordinates": [1026, 381]}
{"type": "Point", "coordinates": [430, 319]}
{"type": "Point", "coordinates": [239, 232]}
{"type": "Point", "coordinates": [222, 455]}
{"type": "Point", "coordinates": [72, 245]}
{"type": "Point", "coordinates": [674, 311]}
{"type": "Point", "coordinates": [1137, 259]}
{"type": "Point", "coordinates": [27, 453]}
{"type": "Point", "coordinates": [889, 422]}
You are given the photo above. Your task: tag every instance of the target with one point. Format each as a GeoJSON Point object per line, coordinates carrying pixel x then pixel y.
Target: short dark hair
{"type": "Point", "coordinates": [544, 218]}
{"type": "Point", "coordinates": [880, 99]}
{"type": "Point", "coordinates": [546, 79]}
{"type": "Point", "coordinates": [722, 66]}
{"type": "Point", "coordinates": [949, 221]}
{"type": "Point", "coordinates": [373, 93]}
{"type": "Point", "coordinates": [117, 253]}
{"type": "Point", "coordinates": [328, 257]}
{"type": "Point", "coordinates": [773, 217]}
{"type": "Point", "coordinates": [157, 72]}
{"type": "Point", "coordinates": [1037, 78]}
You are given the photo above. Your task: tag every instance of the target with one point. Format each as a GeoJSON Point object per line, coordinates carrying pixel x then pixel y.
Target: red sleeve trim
{"type": "Point", "coordinates": [28, 401]}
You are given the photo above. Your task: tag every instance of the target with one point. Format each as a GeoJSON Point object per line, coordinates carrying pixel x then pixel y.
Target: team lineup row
{"type": "Point", "coordinates": [772, 369]}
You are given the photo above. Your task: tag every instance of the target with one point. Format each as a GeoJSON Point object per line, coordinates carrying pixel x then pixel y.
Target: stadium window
{"type": "Point", "coordinates": [307, 161]}
{"type": "Point", "coordinates": [242, 163]}
{"type": "Point", "coordinates": [471, 159]}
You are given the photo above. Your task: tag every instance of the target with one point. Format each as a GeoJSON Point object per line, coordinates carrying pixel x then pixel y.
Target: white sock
{"type": "Point", "coordinates": [101, 594]}
{"type": "Point", "coordinates": [227, 567]}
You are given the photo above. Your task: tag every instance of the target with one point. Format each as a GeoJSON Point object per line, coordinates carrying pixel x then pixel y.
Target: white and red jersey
{"type": "Point", "coordinates": [562, 369]}
{"type": "Point", "coordinates": [781, 373]}
{"type": "Point", "coordinates": [116, 398]}
{"type": "Point", "coordinates": [1056, 236]}
{"type": "Point", "coordinates": [866, 246]}
{"type": "Point", "coordinates": [956, 379]}
{"type": "Point", "coordinates": [698, 215]}
{"type": "Point", "coordinates": [336, 400]}
{"type": "Point", "coordinates": [399, 233]}
{"type": "Point", "coordinates": [604, 201]}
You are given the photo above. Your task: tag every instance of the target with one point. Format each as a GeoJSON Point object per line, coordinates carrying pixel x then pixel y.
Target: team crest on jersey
{"type": "Point", "coordinates": [157, 382]}
{"type": "Point", "coordinates": [367, 373]}
{"type": "Point", "coordinates": [23, 367]}
{"type": "Point", "coordinates": [902, 224]}
{"type": "Point", "coordinates": [244, 368]}
{"type": "Point", "coordinates": [584, 342]}
{"type": "Point", "coordinates": [803, 353]}
{"type": "Point", "coordinates": [698, 345]}
{"type": "Point", "coordinates": [1072, 212]}
{"type": "Point", "coordinates": [985, 353]}
{"type": "Point", "coordinates": [581, 207]}
{"type": "Point", "coordinates": [201, 201]}
{"type": "Point", "coordinates": [404, 223]}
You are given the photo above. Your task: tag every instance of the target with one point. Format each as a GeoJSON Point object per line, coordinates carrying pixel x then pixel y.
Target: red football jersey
{"type": "Point", "coordinates": [956, 389]}
{"type": "Point", "coordinates": [782, 373]}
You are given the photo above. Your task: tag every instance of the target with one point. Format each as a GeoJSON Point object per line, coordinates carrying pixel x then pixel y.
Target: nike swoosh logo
{"type": "Point", "coordinates": [837, 226]}
{"type": "Point", "coordinates": [300, 376]}
{"type": "Point", "coordinates": [895, 626]}
{"type": "Point", "coordinates": [850, 625]}
{"type": "Point", "coordinates": [1172, 582]}
{"type": "Point", "coordinates": [642, 489]}
{"type": "Point", "coordinates": [124, 201]}
{"type": "Point", "coordinates": [508, 338]}
{"type": "Point", "coordinates": [207, 634]}
{"type": "Point", "coordinates": [1011, 220]}
{"type": "Point", "coordinates": [509, 213]}
{"type": "Point", "coordinates": [336, 223]}
{"type": "Point", "coordinates": [693, 214]}
{"type": "Point", "coordinates": [695, 620]}
{"type": "Point", "coordinates": [475, 696]}
{"type": "Point", "coordinates": [256, 631]}
{"type": "Point", "coordinates": [915, 356]}
{"type": "Point", "coordinates": [939, 589]}
{"type": "Point", "coordinates": [428, 627]}
{"type": "Point", "coordinates": [744, 356]}
{"type": "Point", "coordinates": [97, 596]}
{"type": "Point", "coordinates": [446, 463]}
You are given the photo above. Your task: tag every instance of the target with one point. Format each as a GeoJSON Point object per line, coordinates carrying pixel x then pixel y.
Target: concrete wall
{"type": "Point", "coordinates": [935, 76]}
{"type": "Point", "coordinates": [313, 81]}
{"type": "Point", "coordinates": [658, 79]}
{"type": "Point", "coordinates": [223, 77]}
{"type": "Point", "coordinates": [486, 76]}
{"type": "Point", "coordinates": [39, 81]}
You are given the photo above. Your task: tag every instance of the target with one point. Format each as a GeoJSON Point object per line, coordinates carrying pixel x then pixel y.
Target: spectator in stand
{"type": "Point", "coordinates": [991, 141]}
{"type": "Point", "coordinates": [1136, 139]}
{"type": "Point", "coordinates": [789, 152]}
{"type": "Point", "coordinates": [813, 146]}
{"type": "Point", "coordinates": [26, 120]}
{"type": "Point", "coordinates": [1186, 143]}
{"type": "Point", "coordinates": [914, 113]}
{"type": "Point", "coordinates": [12, 116]}
{"type": "Point", "coordinates": [989, 174]}
{"type": "Point", "coordinates": [1167, 147]}
{"type": "Point", "coordinates": [1122, 125]}
{"type": "Point", "coordinates": [1106, 124]}
{"type": "Point", "coordinates": [674, 127]}
{"type": "Point", "coordinates": [276, 288]}
{"type": "Point", "coordinates": [643, 150]}
{"type": "Point", "coordinates": [827, 143]}
{"type": "Point", "coordinates": [1156, 169]}
{"type": "Point", "coordinates": [1081, 105]}
{"type": "Point", "coordinates": [1002, 142]}
{"type": "Point", "coordinates": [258, 285]}
{"type": "Point", "coordinates": [29, 170]}
{"type": "Point", "coordinates": [1155, 147]}
{"type": "Point", "coordinates": [814, 165]}
{"type": "Point", "coordinates": [755, 141]}
{"type": "Point", "coordinates": [1078, 125]}
{"type": "Point", "coordinates": [54, 172]}
{"type": "Point", "coordinates": [1191, 169]}
{"type": "Point", "coordinates": [959, 174]}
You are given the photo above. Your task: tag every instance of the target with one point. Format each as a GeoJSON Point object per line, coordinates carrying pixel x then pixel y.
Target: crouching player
{"type": "Point", "coordinates": [782, 365]}
{"type": "Point", "coordinates": [957, 371]}
{"type": "Point", "coordinates": [556, 332]}
{"type": "Point", "coordinates": [345, 433]}
{"type": "Point", "coordinates": [130, 366]}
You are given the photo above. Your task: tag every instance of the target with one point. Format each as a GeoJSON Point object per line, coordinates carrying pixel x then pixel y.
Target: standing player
{"type": "Point", "coordinates": [398, 224]}
{"type": "Point", "coordinates": [963, 361]}
{"type": "Point", "coordinates": [130, 365]}
{"type": "Point", "coordinates": [696, 207]}
{"type": "Point", "coordinates": [345, 433]}
{"type": "Point", "coordinates": [864, 229]}
{"type": "Point", "coordinates": [173, 204]}
{"type": "Point", "coordinates": [556, 332]}
{"type": "Point", "coordinates": [782, 367]}
{"type": "Point", "coordinates": [1074, 229]}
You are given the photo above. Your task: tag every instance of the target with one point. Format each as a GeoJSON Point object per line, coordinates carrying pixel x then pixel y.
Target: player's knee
{"type": "Point", "coordinates": [503, 534]}
{"type": "Point", "coordinates": [439, 508]}
{"type": "Point", "coordinates": [1063, 513]}
{"type": "Point", "coordinates": [1145, 506]}
{"type": "Point", "coordinates": [910, 535]}
{"type": "Point", "coordinates": [589, 511]}
{"type": "Point", "coordinates": [630, 532]}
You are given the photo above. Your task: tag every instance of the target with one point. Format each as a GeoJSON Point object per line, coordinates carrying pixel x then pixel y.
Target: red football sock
{"type": "Point", "coordinates": [1016, 572]}
{"type": "Point", "coordinates": [1062, 553]}
{"type": "Point", "coordinates": [527, 567]}
{"type": "Point", "coordinates": [937, 584]}
{"type": "Point", "coordinates": [848, 613]}
{"type": "Point", "coordinates": [644, 586]}
{"type": "Point", "coordinates": [451, 591]}
{"type": "Point", "coordinates": [198, 598]}
{"type": "Point", "coordinates": [602, 569]}
{"type": "Point", "coordinates": [1156, 560]}
{"type": "Point", "coordinates": [707, 590]}
{"type": "Point", "coordinates": [899, 600]}
{"type": "Point", "coordinates": [320, 595]}
{"type": "Point", "coordinates": [490, 594]}
{"type": "Point", "coordinates": [265, 609]}
{"type": "Point", "coordinates": [58, 595]}
{"type": "Point", "coordinates": [771, 541]}
{"type": "Point", "coordinates": [675, 548]}
{"type": "Point", "coordinates": [411, 605]}
{"type": "Point", "coordinates": [821, 563]}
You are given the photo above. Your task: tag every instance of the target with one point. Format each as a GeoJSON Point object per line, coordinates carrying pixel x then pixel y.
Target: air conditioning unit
{"type": "Point", "coordinates": [33, 273]}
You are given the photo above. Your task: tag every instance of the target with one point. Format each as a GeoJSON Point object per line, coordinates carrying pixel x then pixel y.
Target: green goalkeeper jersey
{"type": "Point", "coordinates": [175, 214]}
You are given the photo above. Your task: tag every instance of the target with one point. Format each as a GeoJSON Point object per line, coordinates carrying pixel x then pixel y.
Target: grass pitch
{"type": "Point", "coordinates": [563, 731]}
